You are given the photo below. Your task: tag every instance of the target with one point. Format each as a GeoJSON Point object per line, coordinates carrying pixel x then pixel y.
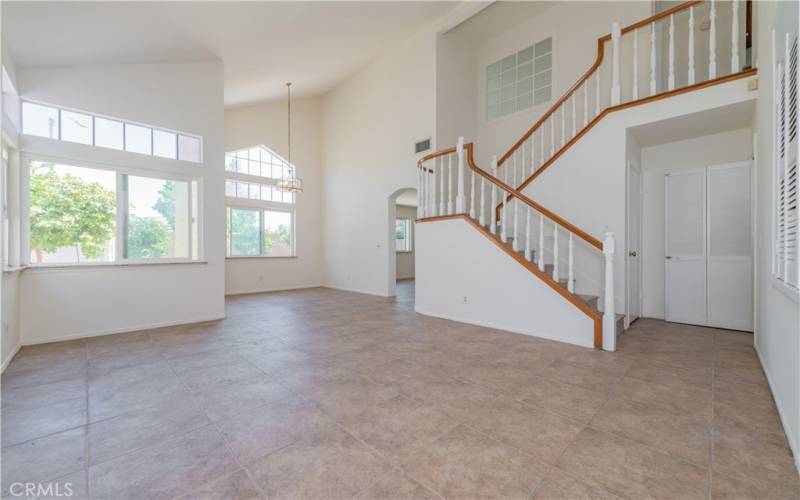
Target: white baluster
{"type": "Point", "coordinates": [563, 124]}
{"type": "Point", "coordinates": [515, 202]}
{"type": "Point", "coordinates": [541, 242]}
{"type": "Point", "coordinates": [712, 42]}
{"type": "Point", "coordinates": [635, 89]}
{"type": "Point", "coordinates": [541, 145]}
{"type": "Point", "coordinates": [472, 194]}
{"type": "Point", "coordinates": [450, 184]}
{"type": "Point", "coordinates": [426, 195]}
{"type": "Point", "coordinates": [528, 233]}
{"type": "Point", "coordinates": [735, 38]}
{"type": "Point", "coordinates": [571, 270]}
{"type": "Point", "coordinates": [492, 217]}
{"type": "Point", "coordinates": [653, 58]}
{"type": "Point", "coordinates": [555, 251]}
{"type": "Point", "coordinates": [522, 167]}
{"type": "Point", "coordinates": [503, 225]}
{"type": "Point", "coordinates": [460, 196]}
{"type": "Point", "coordinates": [420, 193]}
{"type": "Point", "coordinates": [586, 103]}
{"type": "Point", "coordinates": [483, 202]}
{"type": "Point", "coordinates": [574, 121]}
{"type": "Point", "coordinates": [442, 204]}
{"type": "Point", "coordinates": [597, 92]}
{"type": "Point", "coordinates": [616, 94]}
{"type": "Point", "coordinates": [552, 134]}
{"type": "Point", "coordinates": [691, 46]}
{"type": "Point", "coordinates": [671, 74]}
{"type": "Point", "coordinates": [434, 207]}
{"type": "Point", "coordinates": [609, 319]}
{"type": "Point", "coordinates": [533, 154]}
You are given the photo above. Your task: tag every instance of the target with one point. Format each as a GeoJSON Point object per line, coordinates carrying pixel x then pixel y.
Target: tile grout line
{"type": "Point", "coordinates": [713, 437]}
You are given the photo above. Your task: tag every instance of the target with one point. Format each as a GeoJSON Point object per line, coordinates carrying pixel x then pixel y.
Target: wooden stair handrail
{"type": "Point", "coordinates": [580, 233]}
{"type": "Point", "coordinates": [599, 59]}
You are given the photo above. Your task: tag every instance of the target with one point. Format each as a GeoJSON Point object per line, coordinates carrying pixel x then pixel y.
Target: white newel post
{"type": "Point", "coordinates": [492, 217]}
{"type": "Point", "coordinates": [571, 270]}
{"type": "Point", "coordinates": [420, 205]}
{"type": "Point", "coordinates": [609, 320]}
{"type": "Point", "coordinates": [691, 46]}
{"type": "Point", "coordinates": [423, 184]}
{"type": "Point", "coordinates": [616, 94]}
{"type": "Point", "coordinates": [472, 194]}
{"type": "Point", "coordinates": [635, 90]}
{"type": "Point", "coordinates": [442, 204]}
{"type": "Point", "coordinates": [450, 184]}
{"type": "Point", "coordinates": [434, 206]}
{"type": "Point", "coordinates": [483, 202]}
{"type": "Point", "coordinates": [735, 38]}
{"type": "Point", "coordinates": [460, 196]}
{"type": "Point", "coordinates": [515, 243]}
{"type": "Point", "coordinates": [527, 233]}
{"type": "Point", "coordinates": [652, 58]}
{"type": "Point", "coordinates": [541, 242]}
{"type": "Point", "coordinates": [712, 42]}
{"type": "Point", "coordinates": [503, 225]}
{"type": "Point", "coordinates": [671, 69]}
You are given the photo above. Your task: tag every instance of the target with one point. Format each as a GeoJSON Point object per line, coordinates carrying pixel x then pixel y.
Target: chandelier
{"type": "Point", "coordinates": [289, 182]}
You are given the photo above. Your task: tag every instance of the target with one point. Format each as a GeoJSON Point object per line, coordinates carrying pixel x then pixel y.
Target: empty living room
{"type": "Point", "coordinates": [404, 250]}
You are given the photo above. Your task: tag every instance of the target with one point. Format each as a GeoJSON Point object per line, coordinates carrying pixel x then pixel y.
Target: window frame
{"type": "Point", "coordinates": [125, 124]}
{"type": "Point", "coordinates": [195, 241]}
{"type": "Point", "coordinates": [260, 208]}
{"type": "Point", "coordinates": [408, 239]}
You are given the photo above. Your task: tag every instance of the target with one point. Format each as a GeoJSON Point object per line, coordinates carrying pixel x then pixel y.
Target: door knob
{"type": "Point", "coordinates": [632, 253]}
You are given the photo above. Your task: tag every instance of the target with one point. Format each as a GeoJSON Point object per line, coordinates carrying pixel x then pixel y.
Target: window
{"type": "Point", "coordinates": [520, 81]}
{"type": "Point", "coordinates": [83, 128]}
{"type": "Point", "coordinates": [6, 206]}
{"type": "Point", "coordinates": [75, 213]}
{"type": "Point", "coordinates": [259, 232]}
{"type": "Point", "coordinates": [786, 247]}
{"type": "Point", "coordinates": [402, 235]}
{"type": "Point", "coordinates": [260, 216]}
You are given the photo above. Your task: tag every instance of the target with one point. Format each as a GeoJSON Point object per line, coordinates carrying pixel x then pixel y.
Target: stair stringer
{"type": "Point", "coordinates": [586, 184]}
{"type": "Point", "coordinates": [456, 258]}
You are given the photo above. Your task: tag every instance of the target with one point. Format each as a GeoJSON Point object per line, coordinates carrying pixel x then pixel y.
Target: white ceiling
{"type": "Point", "coordinates": [262, 44]}
{"type": "Point", "coordinates": [713, 121]}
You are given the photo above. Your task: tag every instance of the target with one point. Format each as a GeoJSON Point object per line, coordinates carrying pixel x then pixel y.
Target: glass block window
{"type": "Point", "coordinates": [520, 81]}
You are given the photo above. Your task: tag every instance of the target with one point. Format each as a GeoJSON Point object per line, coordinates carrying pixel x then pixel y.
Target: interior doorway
{"type": "Point", "coordinates": [708, 246]}
{"type": "Point", "coordinates": [402, 241]}
{"type": "Point", "coordinates": [633, 263]}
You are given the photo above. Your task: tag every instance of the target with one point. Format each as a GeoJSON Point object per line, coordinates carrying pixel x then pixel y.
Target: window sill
{"type": "Point", "coordinates": [405, 251]}
{"type": "Point", "coordinates": [111, 265]}
{"type": "Point", "coordinates": [792, 293]}
{"type": "Point", "coordinates": [246, 257]}
{"type": "Point", "coordinates": [14, 270]}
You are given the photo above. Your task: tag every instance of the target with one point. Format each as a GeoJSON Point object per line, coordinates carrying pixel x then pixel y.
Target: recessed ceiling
{"type": "Point", "coordinates": [713, 121]}
{"type": "Point", "coordinates": [262, 44]}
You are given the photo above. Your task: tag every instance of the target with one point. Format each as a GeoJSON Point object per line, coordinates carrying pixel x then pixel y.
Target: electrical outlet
{"type": "Point", "coordinates": [465, 299]}
{"type": "Point", "coordinates": [752, 84]}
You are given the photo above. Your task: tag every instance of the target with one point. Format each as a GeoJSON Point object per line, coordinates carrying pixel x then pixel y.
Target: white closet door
{"type": "Point", "coordinates": [730, 259]}
{"type": "Point", "coordinates": [686, 246]}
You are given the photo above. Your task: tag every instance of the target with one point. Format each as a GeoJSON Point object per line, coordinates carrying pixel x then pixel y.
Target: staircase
{"type": "Point", "coordinates": [452, 186]}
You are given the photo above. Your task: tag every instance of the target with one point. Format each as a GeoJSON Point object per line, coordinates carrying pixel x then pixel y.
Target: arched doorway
{"type": "Point", "coordinates": [400, 228]}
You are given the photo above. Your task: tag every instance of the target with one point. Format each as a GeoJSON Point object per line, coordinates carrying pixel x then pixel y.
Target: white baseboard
{"type": "Point", "coordinates": [497, 326]}
{"type": "Point", "coordinates": [781, 413]}
{"type": "Point", "coordinates": [268, 290]}
{"type": "Point", "coordinates": [113, 331]}
{"type": "Point", "coordinates": [10, 357]}
{"type": "Point", "coordinates": [355, 290]}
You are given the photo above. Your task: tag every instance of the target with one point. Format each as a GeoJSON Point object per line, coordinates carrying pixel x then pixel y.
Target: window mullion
{"type": "Point", "coordinates": [122, 217]}
{"type": "Point", "coordinates": [260, 232]}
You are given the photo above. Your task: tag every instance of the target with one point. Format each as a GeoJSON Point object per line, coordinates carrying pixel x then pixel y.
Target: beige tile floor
{"type": "Point", "coordinates": [329, 394]}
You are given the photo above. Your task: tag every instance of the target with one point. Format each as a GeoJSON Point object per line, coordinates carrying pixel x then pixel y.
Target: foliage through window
{"type": "Point", "coordinates": [73, 214]}
{"type": "Point", "coordinates": [520, 81]}
{"type": "Point", "coordinates": [402, 235]}
{"type": "Point", "coordinates": [259, 232]}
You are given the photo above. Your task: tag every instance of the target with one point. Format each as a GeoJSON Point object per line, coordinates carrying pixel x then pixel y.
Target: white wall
{"type": "Point", "coordinates": [575, 28]}
{"type": "Point", "coordinates": [74, 302]}
{"type": "Point", "coordinates": [266, 124]}
{"type": "Point", "coordinates": [698, 152]}
{"type": "Point", "coordinates": [454, 281]}
{"type": "Point", "coordinates": [405, 260]}
{"type": "Point", "coordinates": [777, 335]}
